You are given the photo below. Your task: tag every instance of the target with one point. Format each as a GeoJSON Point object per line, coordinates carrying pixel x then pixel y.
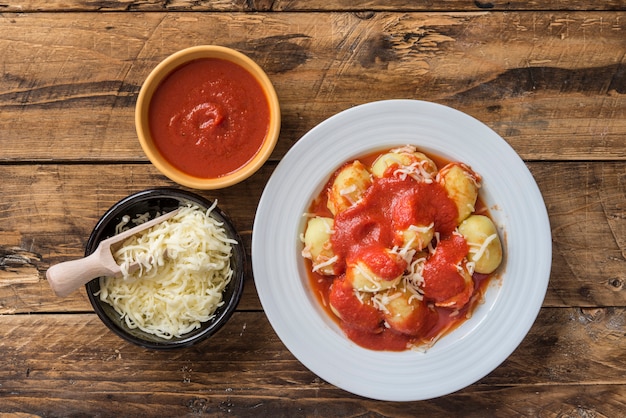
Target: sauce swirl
{"type": "Point", "coordinates": [209, 117]}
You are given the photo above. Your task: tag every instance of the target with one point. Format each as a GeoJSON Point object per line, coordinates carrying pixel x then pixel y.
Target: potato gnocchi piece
{"type": "Point", "coordinates": [484, 243]}
{"type": "Point", "coordinates": [405, 313]}
{"type": "Point", "coordinates": [364, 279]}
{"type": "Point", "coordinates": [407, 161]}
{"type": "Point", "coordinates": [348, 187]}
{"type": "Point", "coordinates": [360, 272]}
{"type": "Point", "coordinates": [317, 245]}
{"type": "Point", "coordinates": [417, 237]}
{"type": "Point", "coordinates": [461, 184]}
{"type": "Point", "coordinates": [353, 307]}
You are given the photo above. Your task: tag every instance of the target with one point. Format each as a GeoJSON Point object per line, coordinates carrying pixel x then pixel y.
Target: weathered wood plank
{"type": "Point", "coordinates": [499, 402]}
{"type": "Point", "coordinates": [307, 5]}
{"type": "Point", "coordinates": [70, 81]}
{"type": "Point", "coordinates": [585, 202]}
{"type": "Point", "coordinates": [571, 360]}
{"type": "Point", "coordinates": [560, 341]}
{"type": "Point", "coordinates": [586, 206]}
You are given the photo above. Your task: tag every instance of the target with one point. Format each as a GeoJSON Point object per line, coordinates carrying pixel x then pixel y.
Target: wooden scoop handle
{"type": "Point", "coordinates": [68, 276]}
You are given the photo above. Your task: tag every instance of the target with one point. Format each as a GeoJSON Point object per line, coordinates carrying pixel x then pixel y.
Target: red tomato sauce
{"type": "Point", "coordinates": [209, 117]}
{"type": "Point", "coordinates": [382, 339]}
{"type": "Point", "coordinates": [389, 204]}
{"type": "Point", "coordinates": [441, 278]}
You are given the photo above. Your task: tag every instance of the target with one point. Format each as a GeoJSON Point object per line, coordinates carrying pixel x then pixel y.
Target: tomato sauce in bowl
{"type": "Point", "coordinates": [209, 117]}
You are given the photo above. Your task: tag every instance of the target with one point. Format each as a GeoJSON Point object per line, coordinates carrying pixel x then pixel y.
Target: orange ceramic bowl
{"type": "Point", "coordinates": [159, 156]}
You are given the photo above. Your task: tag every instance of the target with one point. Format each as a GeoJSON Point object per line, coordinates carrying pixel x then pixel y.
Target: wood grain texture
{"type": "Point", "coordinates": [245, 371]}
{"type": "Point", "coordinates": [308, 5]}
{"type": "Point", "coordinates": [552, 84]}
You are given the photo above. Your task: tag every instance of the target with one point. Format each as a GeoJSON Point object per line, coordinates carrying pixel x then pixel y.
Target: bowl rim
{"type": "Point", "coordinates": [165, 68]}
{"type": "Point", "coordinates": [222, 315]}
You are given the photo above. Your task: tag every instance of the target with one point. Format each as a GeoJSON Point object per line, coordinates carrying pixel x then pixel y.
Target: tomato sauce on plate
{"type": "Point", "coordinates": [365, 229]}
{"type": "Point", "coordinates": [209, 117]}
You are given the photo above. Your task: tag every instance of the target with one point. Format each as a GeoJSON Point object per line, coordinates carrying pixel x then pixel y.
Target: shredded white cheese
{"type": "Point", "coordinates": [359, 296]}
{"type": "Point", "coordinates": [381, 300]}
{"type": "Point", "coordinates": [184, 268]}
{"type": "Point", "coordinates": [477, 254]}
{"type": "Point", "coordinates": [422, 229]}
{"type": "Point", "coordinates": [471, 267]}
{"type": "Point", "coordinates": [416, 171]}
{"type": "Point", "coordinates": [413, 278]}
{"type": "Point", "coordinates": [347, 190]}
{"type": "Point", "coordinates": [375, 284]}
{"type": "Point", "coordinates": [431, 247]}
{"type": "Point", "coordinates": [326, 263]}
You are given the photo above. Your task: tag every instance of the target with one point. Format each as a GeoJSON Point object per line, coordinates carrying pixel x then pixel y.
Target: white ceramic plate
{"type": "Point", "coordinates": [512, 302]}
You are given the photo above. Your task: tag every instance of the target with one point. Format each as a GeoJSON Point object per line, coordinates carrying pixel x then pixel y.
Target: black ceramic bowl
{"type": "Point", "coordinates": [153, 201]}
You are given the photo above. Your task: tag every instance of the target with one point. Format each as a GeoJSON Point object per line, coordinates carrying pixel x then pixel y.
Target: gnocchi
{"type": "Point", "coordinates": [461, 184]}
{"type": "Point", "coordinates": [406, 161]}
{"type": "Point", "coordinates": [398, 241]}
{"type": "Point", "coordinates": [417, 237]}
{"type": "Point", "coordinates": [349, 185]}
{"type": "Point", "coordinates": [485, 248]}
{"type": "Point", "coordinates": [317, 246]}
{"type": "Point", "coordinates": [386, 274]}
{"type": "Point", "coordinates": [405, 313]}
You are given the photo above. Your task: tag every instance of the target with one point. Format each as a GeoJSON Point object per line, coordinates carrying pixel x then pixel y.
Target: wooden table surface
{"type": "Point", "coordinates": [548, 75]}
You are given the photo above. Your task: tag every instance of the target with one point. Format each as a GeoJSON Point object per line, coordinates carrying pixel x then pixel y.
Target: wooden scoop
{"type": "Point", "coordinates": [68, 276]}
